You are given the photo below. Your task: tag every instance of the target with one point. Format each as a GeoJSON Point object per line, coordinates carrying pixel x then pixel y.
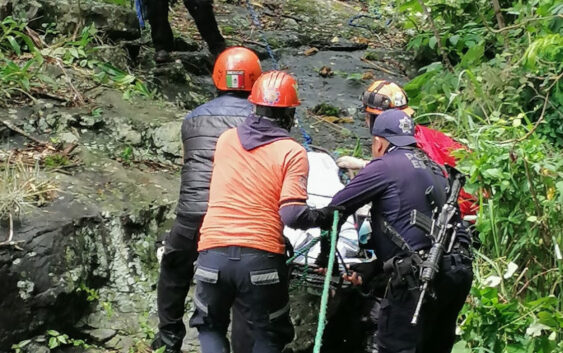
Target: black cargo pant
{"type": "Point", "coordinates": [202, 13]}
{"type": "Point", "coordinates": [435, 331]}
{"type": "Point", "coordinates": [176, 274]}
{"type": "Point", "coordinates": [254, 281]}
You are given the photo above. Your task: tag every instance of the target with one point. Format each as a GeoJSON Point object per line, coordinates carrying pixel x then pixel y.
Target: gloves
{"type": "Point", "coordinates": [325, 219]}
{"type": "Point", "coordinates": [325, 216]}
{"type": "Point", "coordinates": [349, 162]}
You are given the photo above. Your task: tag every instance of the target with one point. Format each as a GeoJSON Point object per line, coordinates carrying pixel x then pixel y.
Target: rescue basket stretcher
{"type": "Point", "coordinates": [323, 183]}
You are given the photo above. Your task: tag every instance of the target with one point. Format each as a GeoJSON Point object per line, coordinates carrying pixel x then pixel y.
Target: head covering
{"type": "Point", "coordinates": [396, 126]}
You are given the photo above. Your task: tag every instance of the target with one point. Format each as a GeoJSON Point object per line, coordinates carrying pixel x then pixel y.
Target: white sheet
{"type": "Point", "coordinates": [323, 183]}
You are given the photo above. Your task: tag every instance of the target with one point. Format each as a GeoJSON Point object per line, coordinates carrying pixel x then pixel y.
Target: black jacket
{"type": "Point", "coordinates": [200, 131]}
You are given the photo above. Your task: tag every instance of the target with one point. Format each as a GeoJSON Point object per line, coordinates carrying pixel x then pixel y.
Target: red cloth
{"type": "Point", "coordinates": [439, 148]}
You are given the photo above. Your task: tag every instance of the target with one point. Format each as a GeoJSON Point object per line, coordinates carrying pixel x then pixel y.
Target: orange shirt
{"type": "Point", "coordinates": [247, 190]}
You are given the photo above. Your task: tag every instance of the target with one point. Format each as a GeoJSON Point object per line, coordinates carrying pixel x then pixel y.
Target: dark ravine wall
{"type": "Point", "coordinates": [66, 250]}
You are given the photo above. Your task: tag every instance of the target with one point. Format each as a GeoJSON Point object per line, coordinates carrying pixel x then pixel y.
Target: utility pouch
{"type": "Point", "coordinates": [403, 271]}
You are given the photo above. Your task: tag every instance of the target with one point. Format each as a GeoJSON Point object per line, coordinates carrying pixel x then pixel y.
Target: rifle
{"type": "Point", "coordinates": [442, 232]}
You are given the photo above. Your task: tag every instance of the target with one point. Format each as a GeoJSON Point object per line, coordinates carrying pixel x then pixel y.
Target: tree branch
{"type": "Point", "coordinates": [498, 14]}
{"type": "Point", "coordinates": [445, 58]}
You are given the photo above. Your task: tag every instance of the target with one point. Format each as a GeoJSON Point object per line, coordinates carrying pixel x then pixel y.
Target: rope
{"type": "Point", "coordinates": [307, 139]}
{"type": "Point", "coordinates": [303, 250]}
{"type": "Point", "coordinates": [326, 287]}
{"type": "Point", "coordinates": [376, 16]}
{"type": "Point", "coordinates": [258, 24]}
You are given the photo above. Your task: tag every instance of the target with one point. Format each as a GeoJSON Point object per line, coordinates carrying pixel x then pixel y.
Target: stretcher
{"type": "Point", "coordinates": [323, 183]}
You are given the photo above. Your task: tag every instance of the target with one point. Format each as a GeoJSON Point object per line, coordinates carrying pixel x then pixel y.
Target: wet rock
{"type": "Point", "coordinates": [118, 22]}
{"type": "Point", "coordinates": [125, 133]}
{"type": "Point", "coordinates": [166, 138]}
{"type": "Point", "coordinates": [121, 343]}
{"type": "Point", "coordinates": [74, 256]}
{"type": "Point", "coordinates": [199, 63]}
{"type": "Point", "coordinates": [68, 137]}
{"type": "Point", "coordinates": [115, 55]}
{"type": "Point", "coordinates": [101, 335]}
{"type": "Point", "coordinates": [185, 44]}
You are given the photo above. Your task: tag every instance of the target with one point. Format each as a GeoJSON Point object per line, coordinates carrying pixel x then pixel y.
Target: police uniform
{"type": "Point", "coordinates": [202, 13]}
{"type": "Point", "coordinates": [395, 184]}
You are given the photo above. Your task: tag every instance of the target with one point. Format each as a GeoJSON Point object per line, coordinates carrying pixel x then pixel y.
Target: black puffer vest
{"type": "Point", "coordinates": [200, 131]}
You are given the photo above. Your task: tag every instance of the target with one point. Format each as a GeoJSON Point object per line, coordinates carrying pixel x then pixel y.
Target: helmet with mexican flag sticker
{"type": "Point", "coordinates": [236, 69]}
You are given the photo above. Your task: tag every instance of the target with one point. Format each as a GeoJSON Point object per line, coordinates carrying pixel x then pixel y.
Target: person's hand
{"type": "Point", "coordinates": [325, 216]}
{"type": "Point", "coordinates": [355, 278]}
{"type": "Point", "coordinates": [349, 162]}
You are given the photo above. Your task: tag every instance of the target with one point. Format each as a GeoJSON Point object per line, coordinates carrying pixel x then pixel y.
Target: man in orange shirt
{"type": "Point", "coordinates": [258, 185]}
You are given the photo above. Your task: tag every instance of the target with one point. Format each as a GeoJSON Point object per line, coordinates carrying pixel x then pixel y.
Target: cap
{"type": "Point", "coordinates": [396, 126]}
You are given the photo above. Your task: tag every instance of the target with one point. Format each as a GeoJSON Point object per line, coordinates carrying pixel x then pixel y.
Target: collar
{"type": "Point", "coordinates": [257, 131]}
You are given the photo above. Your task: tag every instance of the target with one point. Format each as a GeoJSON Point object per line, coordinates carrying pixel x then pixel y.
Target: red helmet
{"type": "Point", "coordinates": [236, 69]}
{"type": "Point", "coordinates": [275, 89]}
{"type": "Point", "coordinates": [382, 95]}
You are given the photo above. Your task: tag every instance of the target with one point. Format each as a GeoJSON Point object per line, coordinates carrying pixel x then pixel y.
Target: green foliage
{"type": "Point", "coordinates": [503, 98]}
{"type": "Point", "coordinates": [326, 109]}
{"type": "Point", "coordinates": [22, 64]}
{"type": "Point", "coordinates": [127, 155]}
{"type": "Point", "coordinates": [56, 161]}
{"type": "Point", "coordinates": [125, 3]}
{"type": "Point", "coordinates": [92, 294]}
{"type": "Point", "coordinates": [57, 339]}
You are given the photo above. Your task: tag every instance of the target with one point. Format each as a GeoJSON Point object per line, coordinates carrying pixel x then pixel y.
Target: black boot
{"type": "Point", "coordinates": [162, 56]}
{"type": "Point", "coordinates": [172, 346]}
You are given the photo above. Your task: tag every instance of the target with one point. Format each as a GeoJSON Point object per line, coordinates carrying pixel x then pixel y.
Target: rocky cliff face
{"type": "Point", "coordinates": [85, 263]}
{"type": "Point", "coordinates": [70, 15]}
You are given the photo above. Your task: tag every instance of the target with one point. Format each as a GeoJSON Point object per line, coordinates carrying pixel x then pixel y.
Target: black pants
{"type": "Point", "coordinates": [256, 283]}
{"type": "Point", "coordinates": [176, 274]}
{"type": "Point", "coordinates": [435, 331]}
{"type": "Point", "coordinates": [202, 13]}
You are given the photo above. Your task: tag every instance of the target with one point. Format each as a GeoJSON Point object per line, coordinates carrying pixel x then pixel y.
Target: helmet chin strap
{"type": "Point", "coordinates": [283, 117]}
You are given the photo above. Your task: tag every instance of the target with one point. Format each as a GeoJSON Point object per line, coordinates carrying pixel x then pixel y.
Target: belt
{"type": "Point", "coordinates": [235, 249]}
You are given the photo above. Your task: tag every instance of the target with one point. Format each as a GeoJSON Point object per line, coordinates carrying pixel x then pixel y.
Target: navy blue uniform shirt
{"type": "Point", "coordinates": [395, 184]}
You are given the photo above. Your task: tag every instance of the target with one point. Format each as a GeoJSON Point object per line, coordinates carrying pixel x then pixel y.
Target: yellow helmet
{"type": "Point", "coordinates": [383, 95]}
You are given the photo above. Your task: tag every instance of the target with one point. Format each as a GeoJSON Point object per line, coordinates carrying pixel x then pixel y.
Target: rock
{"type": "Point", "coordinates": [199, 63]}
{"type": "Point", "coordinates": [117, 22]}
{"type": "Point", "coordinates": [127, 134]}
{"type": "Point", "coordinates": [101, 335]}
{"type": "Point", "coordinates": [68, 137]}
{"type": "Point", "coordinates": [35, 347]}
{"type": "Point", "coordinates": [185, 44]}
{"type": "Point", "coordinates": [115, 55]}
{"type": "Point", "coordinates": [166, 138]}
{"type": "Point", "coordinates": [121, 343]}
{"type": "Point", "coordinates": [70, 251]}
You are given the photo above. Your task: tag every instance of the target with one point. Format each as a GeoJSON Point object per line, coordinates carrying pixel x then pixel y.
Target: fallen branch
{"type": "Point", "coordinates": [25, 134]}
{"type": "Point", "coordinates": [379, 67]}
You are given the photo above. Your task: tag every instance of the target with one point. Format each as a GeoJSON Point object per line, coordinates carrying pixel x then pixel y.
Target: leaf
{"type": "Point", "coordinates": [536, 329]}
{"type": "Point", "coordinates": [432, 42]}
{"type": "Point", "coordinates": [461, 347]}
{"type": "Point", "coordinates": [53, 333]}
{"type": "Point", "coordinates": [493, 173]}
{"type": "Point", "coordinates": [454, 39]}
{"type": "Point", "coordinates": [14, 45]}
{"type": "Point", "coordinates": [473, 56]}
{"type": "Point", "coordinates": [532, 219]}
{"type": "Point", "coordinates": [53, 342]}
